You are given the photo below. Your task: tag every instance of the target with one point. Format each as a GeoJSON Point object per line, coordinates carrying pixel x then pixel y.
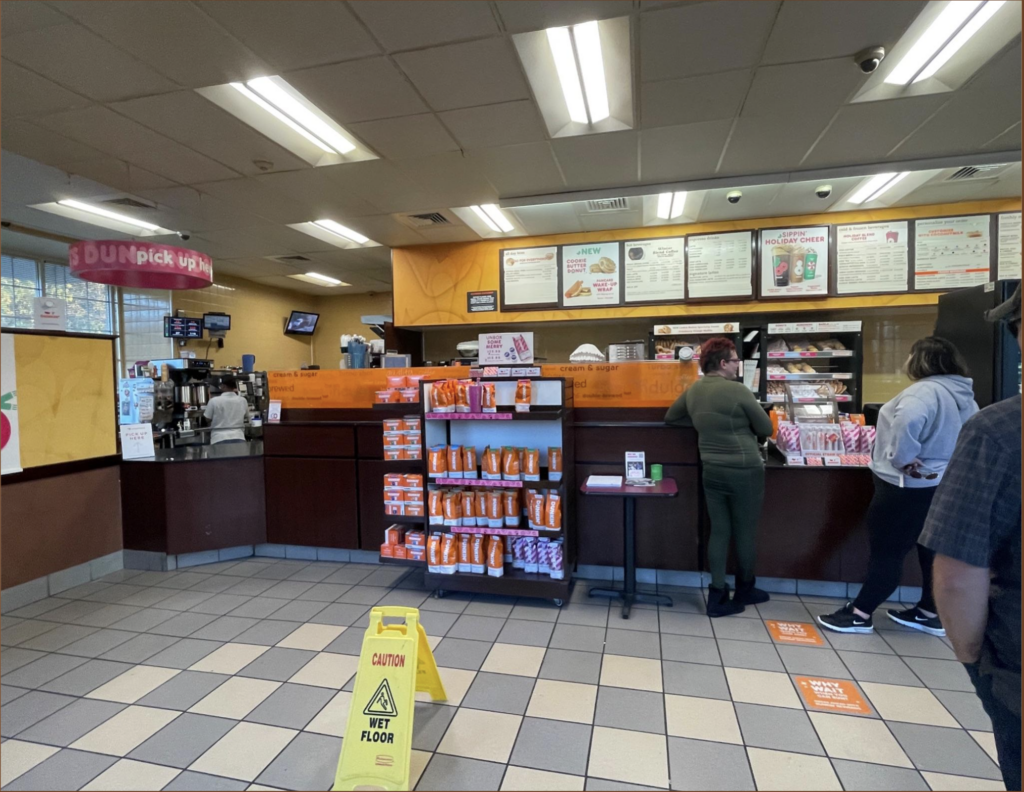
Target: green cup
{"type": "Point", "coordinates": [656, 472]}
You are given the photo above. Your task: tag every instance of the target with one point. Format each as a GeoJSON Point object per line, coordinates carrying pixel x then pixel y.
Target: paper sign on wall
{"type": "Point", "coordinates": [50, 313]}
{"type": "Point", "coordinates": [951, 252]}
{"type": "Point", "coordinates": [137, 441]}
{"type": "Point", "coordinates": [10, 439]}
{"type": "Point", "coordinates": [530, 276]}
{"type": "Point", "coordinates": [832, 695]}
{"type": "Point", "coordinates": [872, 257]}
{"type": "Point", "coordinates": [1009, 246]}
{"type": "Point", "coordinates": [504, 349]}
{"type": "Point", "coordinates": [590, 274]}
{"type": "Point", "coordinates": [794, 262]}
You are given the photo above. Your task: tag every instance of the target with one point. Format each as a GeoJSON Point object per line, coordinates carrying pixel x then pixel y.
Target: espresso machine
{"type": "Point", "coordinates": [181, 391]}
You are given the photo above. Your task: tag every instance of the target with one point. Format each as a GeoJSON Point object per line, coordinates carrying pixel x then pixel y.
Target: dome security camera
{"type": "Point", "coordinates": [823, 190]}
{"type": "Point", "coordinates": [869, 59]}
{"type": "Point", "coordinates": [734, 196]}
{"type": "Point", "coordinates": [185, 236]}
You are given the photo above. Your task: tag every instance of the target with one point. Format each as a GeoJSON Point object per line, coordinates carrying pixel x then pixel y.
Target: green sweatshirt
{"type": "Point", "coordinates": [727, 418]}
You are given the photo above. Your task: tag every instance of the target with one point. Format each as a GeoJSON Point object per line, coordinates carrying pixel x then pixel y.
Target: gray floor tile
{"type": "Point", "coordinates": [349, 642]}
{"type": "Point", "coordinates": [496, 608]}
{"type": "Point", "coordinates": [144, 620]}
{"type": "Point", "coordinates": [22, 631]}
{"type": "Point", "coordinates": [455, 774]}
{"type": "Point", "coordinates": [139, 648]}
{"type": "Point", "coordinates": [585, 615]}
{"type": "Point", "coordinates": [189, 781]}
{"type": "Point", "coordinates": [856, 643]}
{"type": "Point", "coordinates": [186, 652]}
{"type": "Point", "coordinates": [940, 674]}
{"type": "Point", "coordinates": [966, 708]}
{"type": "Point", "coordinates": [258, 608]}
{"type": "Point", "coordinates": [38, 672]}
{"type": "Point", "coordinates": [11, 659]}
{"type": "Point", "coordinates": [643, 618]}
{"type": "Point", "coordinates": [291, 706]}
{"type": "Point", "coordinates": [147, 597]}
{"type": "Point", "coordinates": [183, 690]}
{"type": "Point", "coordinates": [225, 628]}
{"type": "Point", "coordinates": [287, 589]}
{"type": "Point", "coordinates": [221, 604]}
{"type": "Point", "coordinates": [783, 611]}
{"type": "Point", "coordinates": [184, 580]}
{"type": "Point", "coordinates": [604, 785]}
{"type": "Point", "coordinates": [57, 638]}
{"type": "Point", "coordinates": [121, 575]}
{"type": "Point", "coordinates": [459, 653]}
{"type": "Point", "coordinates": [944, 750]}
{"type": "Point", "coordinates": [28, 710]}
{"type": "Point", "coordinates": [499, 693]}
{"type": "Point", "coordinates": [450, 603]}
{"type": "Point", "coordinates": [312, 573]}
{"type": "Point", "coordinates": [185, 600]}
{"type": "Point", "coordinates": [811, 661]}
{"type": "Point", "coordinates": [749, 654]}
{"type": "Point", "coordinates": [308, 762]}
{"type": "Point", "coordinates": [685, 624]}
{"type": "Point", "coordinates": [534, 610]}
{"type": "Point", "coordinates": [83, 591]}
{"type": "Point", "coordinates": [740, 630]}
{"type": "Point", "coordinates": [690, 649]}
{"type": "Point", "coordinates": [298, 610]}
{"type": "Point", "coordinates": [406, 598]}
{"type": "Point", "coordinates": [694, 679]}
{"type": "Point", "coordinates": [632, 643]}
{"type": "Point", "coordinates": [215, 584]}
{"type": "Point", "coordinates": [569, 666]}
{"type": "Point", "coordinates": [890, 669]}
{"type": "Point", "coordinates": [99, 642]}
{"type": "Point", "coordinates": [73, 721]}
{"type": "Point", "coordinates": [778, 729]}
{"type": "Point", "coordinates": [266, 633]}
{"type": "Point", "coordinates": [877, 778]}
{"type": "Point", "coordinates": [249, 587]}
{"type": "Point", "coordinates": [349, 575]}
{"type": "Point", "coordinates": [107, 615]}
{"type": "Point", "coordinates": [39, 607]}
{"type": "Point", "coordinates": [119, 592]}
{"type": "Point", "coordinates": [86, 677]}
{"type": "Point", "coordinates": [182, 625]}
{"type": "Point", "coordinates": [918, 644]}
{"type": "Point", "coordinates": [551, 745]}
{"type": "Point", "coordinates": [578, 637]}
{"type": "Point", "coordinates": [183, 740]}
{"type": "Point", "coordinates": [9, 693]}
{"type": "Point", "coordinates": [66, 769]}
{"type": "Point", "coordinates": [324, 592]}
{"type": "Point", "coordinates": [277, 664]}
{"type": "Point", "coordinates": [340, 614]}
{"type": "Point", "coordinates": [637, 710]}
{"type": "Point", "coordinates": [476, 628]}
{"type": "Point", "coordinates": [437, 623]}
{"type": "Point", "coordinates": [73, 611]}
{"type": "Point", "coordinates": [699, 765]}
{"type": "Point", "coordinates": [429, 725]}
{"type": "Point", "coordinates": [363, 595]}
{"type": "Point", "coordinates": [527, 633]}
{"type": "Point", "coordinates": [386, 576]}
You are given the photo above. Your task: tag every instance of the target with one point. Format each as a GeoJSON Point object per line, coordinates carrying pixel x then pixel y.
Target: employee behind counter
{"type": "Point", "coordinates": [226, 413]}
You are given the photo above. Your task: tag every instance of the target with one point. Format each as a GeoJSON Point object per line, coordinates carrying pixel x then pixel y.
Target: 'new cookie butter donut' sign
{"type": "Point", "coordinates": [143, 265]}
{"type": "Point", "coordinates": [591, 275]}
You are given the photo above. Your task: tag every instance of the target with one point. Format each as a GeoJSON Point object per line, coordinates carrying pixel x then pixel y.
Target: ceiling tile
{"type": "Point", "coordinates": [249, 195]}
{"type": "Point", "coordinates": [495, 125]}
{"type": "Point", "coordinates": [29, 182]}
{"type": "Point", "coordinates": [453, 178]}
{"type": "Point", "coordinates": [704, 38]}
{"type": "Point", "coordinates": [800, 198]}
{"type": "Point", "coordinates": [524, 15]}
{"type": "Point", "coordinates": [42, 145]}
{"type": "Point", "coordinates": [411, 136]}
{"type": "Point", "coordinates": [594, 161]}
{"type": "Point", "coordinates": [691, 100]}
{"type": "Point", "coordinates": [363, 90]}
{"type": "Point", "coordinates": [608, 221]}
{"type": "Point", "coordinates": [256, 267]}
{"type": "Point", "coordinates": [756, 202]}
{"type": "Point", "coordinates": [826, 84]}
{"type": "Point", "coordinates": [294, 34]}
{"type": "Point", "coordinates": [79, 60]}
{"type": "Point", "coordinates": [382, 184]}
{"type": "Point", "coordinates": [119, 175]}
{"type": "Point", "coordinates": [549, 219]}
{"type": "Point", "coordinates": [386, 230]}
{"type": "Point", "coordinates": [466, 75]}
{"type": "Point", "coordinates": [689, 151]}
{"type": "Point", "coordinates": [29, 245]}
{"type": "Point", "coordinates": [198, 211]}
{"type": "Point", "coordinates": [771, 143]}
{"type": "Point", "coordinates": [813, 31]}
{"type": "Point", "coordinates": [319, 192]}
{"type": "Point", "coordinates": [21, 16]}
{"type": "Point", "coordinates": [943, 193]}
{"type": "Point", "coordinates": [188, 118]}
{"type": "Point", "coordinates": [526, 169]}
{"type": "Point", "coordinates": [409, 24]}
{"type": "Point", "coordinates": [28, 94]}
{"type": "Point", "coordinates": [244, 242]}
{"type": "Point", "coordinates": [1008, 140]}
{"type": "Point", "coordinates": [184, 44]}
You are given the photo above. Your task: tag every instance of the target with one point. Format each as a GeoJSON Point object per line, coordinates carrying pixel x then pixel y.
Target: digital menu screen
{"type": "Point", "coordinates": [182, 327]}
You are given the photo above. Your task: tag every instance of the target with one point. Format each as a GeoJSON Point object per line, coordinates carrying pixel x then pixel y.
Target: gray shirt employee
{"type": "Point", "coordinates": [226, 413]}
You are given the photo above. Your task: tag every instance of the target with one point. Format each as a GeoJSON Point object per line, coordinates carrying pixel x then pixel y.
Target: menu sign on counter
{"type": "Point", "coordinates": [1009, 246]}
{"type": "Point", "coordinates": [872, 257]}
{"type": "Point", "coordinates": [720, 265]}
{"type": "Point", "coordinates": [952, 252]}
{"type": "Point", "coordinates": [794, 262]}
{"type": "Point", "coordinates": [655, 270]}
{"type": "Point", "coordinates": [791, 328]}
{"type": "Point", "coordinates": [529, 276]}
{"type": "Point", "coordinates": [697, 329]}
{"type": "Point", "coordinates": [591, 275]}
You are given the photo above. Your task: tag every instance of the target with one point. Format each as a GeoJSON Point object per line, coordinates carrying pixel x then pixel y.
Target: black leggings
{"type": "Point", "coordinates": [895, 519]}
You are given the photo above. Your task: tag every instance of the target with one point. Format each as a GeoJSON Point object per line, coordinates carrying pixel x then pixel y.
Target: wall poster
{"type": "Point", "coordinates": [529, 276]}
{"type": "Point", "coordinates": [720, 265]}
{"type": "Point", "coordinates": [872, 257]}
{"type": "Point", "coordinates": [1009, 246]}
{"type": "Point", "coordinates": [794, 262]}
{"type": "Point", "coordinates": [591, 275]}
{"type": "Point", "coordinates": [10, 439]}
{"type": "Point", "coordinates": [655, 270]}
{"type": "Point", "coordinates": [952, 252]}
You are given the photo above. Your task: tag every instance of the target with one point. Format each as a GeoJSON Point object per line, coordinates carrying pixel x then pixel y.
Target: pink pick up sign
{"type": "Point", "coordinates": [144, 265]}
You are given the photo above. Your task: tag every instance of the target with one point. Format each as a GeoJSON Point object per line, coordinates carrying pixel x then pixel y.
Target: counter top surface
{"type": "Point", "coordinates": [206, 453]}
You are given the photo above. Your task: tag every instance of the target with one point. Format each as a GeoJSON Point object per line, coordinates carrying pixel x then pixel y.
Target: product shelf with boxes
{"type": "Point", "coordinates": [824, 358]}
{"type": "Point", "coordinates": [493, 530]}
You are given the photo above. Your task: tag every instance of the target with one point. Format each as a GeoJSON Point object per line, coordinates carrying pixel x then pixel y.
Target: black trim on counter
{"type": "Point", "coordinates": [60, 468]}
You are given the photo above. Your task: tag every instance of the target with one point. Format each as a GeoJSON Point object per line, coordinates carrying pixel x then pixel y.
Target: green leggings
{"type": "Point", "coordinates": [734, 498]}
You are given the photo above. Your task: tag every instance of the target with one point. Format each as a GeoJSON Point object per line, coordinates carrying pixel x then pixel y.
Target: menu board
{"type": "Point", "coordinates": [872, 257]}
{"type": "Point", "coordinates": [794, 262]}
{"type": "Point", "coordinates": [182, 327]}
{"type": "Point", "coordinates": [1009, 246]}
{"type": "Point", "coordinates": [720, 265]}
{"type": "Point", "coordinates": [654, 270]}
{"type": "Point", "coordinates": [952, 252]}
{"type": "Point", "coordinates": [529, 276]}
{"type": "Point", "coordinates": [591, 274]}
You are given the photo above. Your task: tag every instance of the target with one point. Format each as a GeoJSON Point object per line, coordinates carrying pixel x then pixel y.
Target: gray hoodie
{"type": "Point", "coordinates": [923, 422]}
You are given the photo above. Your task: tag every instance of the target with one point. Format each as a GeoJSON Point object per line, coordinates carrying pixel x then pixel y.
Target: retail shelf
{"type": "Point", "coordinates": [494, 483]}
{"type": "Point", "coordinates": [824, 353]}
{"type": "Point", "coordinates": [818, 375]}
{"type": "Point", "coordinates": [775, 398]}
{"type": "Point", "coordinates": [515, 582]}
{"type": "Point", "coordinates": [466, 529]}
{"type": "Point", "coordinates": [533, 415]}
{"type": "Point", "coordinates": [406, 520]}
{"type": "Point", "coordinates": [409, 407]}
{"type": "Point", "coordinates": [402, 562]}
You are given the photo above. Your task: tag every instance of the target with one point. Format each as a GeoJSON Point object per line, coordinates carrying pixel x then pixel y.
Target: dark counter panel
{"type": "Point", "coordinates": [372, 520]}
{"type": "Point", "coordinates": [662, 444]}
{"type": "Point", "coordinates": [666, 529]}
{"type": "Point", "coordinates": [312, 502]}
{"type": "Point", "coordinates": [309, 440]}
{"type": "Point", "coordinates": [370, 441]}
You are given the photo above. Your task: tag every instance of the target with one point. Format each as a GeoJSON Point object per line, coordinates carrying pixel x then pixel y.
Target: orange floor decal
{"type": "Point", "coordinates": [832, 695]}
{"type": "Point", "coordinates": [795, 633]}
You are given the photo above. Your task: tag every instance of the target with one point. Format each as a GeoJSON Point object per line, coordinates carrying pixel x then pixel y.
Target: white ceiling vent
{"type": "Point", "coordinates": [976, 172]}
{"type": "Point", "coordinates": [608, 205]}
{"type": "Point", "coordinates": [424, 220]}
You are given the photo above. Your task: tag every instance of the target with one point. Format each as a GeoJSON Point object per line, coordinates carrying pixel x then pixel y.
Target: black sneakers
{"type": "Point", "coordinates": [719, 603]}
{"type": "Point", "coordinates": [916, 620]}
{"type": "Point", "coordinates": [845, 620]}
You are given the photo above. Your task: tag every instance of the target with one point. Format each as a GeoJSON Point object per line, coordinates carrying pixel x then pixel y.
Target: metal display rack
{"type": "Point", "coordinates": [844, 367]}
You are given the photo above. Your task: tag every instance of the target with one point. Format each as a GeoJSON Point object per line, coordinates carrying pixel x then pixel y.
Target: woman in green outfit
{"type": "Point", "coordinates": [729, 422]}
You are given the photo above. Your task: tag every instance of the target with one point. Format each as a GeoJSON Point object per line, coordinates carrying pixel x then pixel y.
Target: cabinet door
{"type": "Point", "coordinates": [312, 502]}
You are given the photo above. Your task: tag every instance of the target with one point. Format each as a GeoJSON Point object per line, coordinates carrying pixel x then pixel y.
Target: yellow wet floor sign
{"type": "Point", "coordinates": [395, 662]}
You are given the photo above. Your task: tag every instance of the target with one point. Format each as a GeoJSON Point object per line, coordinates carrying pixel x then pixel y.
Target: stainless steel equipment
{"type": "Point", "coordinates": [626, 350]}
{"type": "Point", "coordinates": [201, 393]}
{"type": "Point", "coordinates": [184, 394]}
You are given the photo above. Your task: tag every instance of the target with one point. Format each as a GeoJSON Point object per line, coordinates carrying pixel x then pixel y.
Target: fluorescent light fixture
{"type": "Point", "coordinates": [282, 117]}
{"type": "Point", "coordinates": [273, 91]}
{"type": "Point", "coordinates": [938, 33]}
{"type": "Point", "coordinates": [871, 187]}
{"type": "Point", "coordinates": [664, 206]}
{"type": "Point", "coordinates": [678, 204]}
{"type": "Point", "coordinates": [486, 218]}
{"type": "Point", "coordinates": [101, 212]}
{"type": "Point", "coordinates": [588, 47]}
{"type": "Point", "coordinates": [973, 26]}
{"type": "Point", "coordinates": [888, 186]}
{"type": "Point", "coordinates": [342, 231]}
{"type": "Point", "coordinates": [324, 278]}
{"type": "Point", "coordinates": [499, 219]}
{"type": "Point", "coordinates": [565, 63]}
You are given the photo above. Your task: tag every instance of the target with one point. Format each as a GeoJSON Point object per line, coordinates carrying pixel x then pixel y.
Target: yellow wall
{"type": "Point", "coordinates": [340, 315]}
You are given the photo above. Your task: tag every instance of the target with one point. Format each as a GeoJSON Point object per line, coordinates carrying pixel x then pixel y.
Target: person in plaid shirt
{"type": "Point", "coordinates": [974, 527]}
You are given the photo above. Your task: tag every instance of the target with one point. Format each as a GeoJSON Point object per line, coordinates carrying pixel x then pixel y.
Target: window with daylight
{"type": "Point", "coordinates": [142, 325]}
{"type": "Point", "coordinates": [89, 305]}
{"type": "Point", "coordinates": [19, 285]}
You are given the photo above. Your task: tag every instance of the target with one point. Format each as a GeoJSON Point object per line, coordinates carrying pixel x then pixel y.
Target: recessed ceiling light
{"type": "Point", "coordinates": [587, 40]}
{"type": "Point", "coordinates": [565, 63]}
{"type": "Point", "coordinates": [317, 279]}
{"type": "Point", "coordinates": [496, 215]}
{"type": "Point", "coordinates": [287, 100]}
{"type": "Point", "coordinates": [671, 205]}
{"type": "Point", "coordinates": [244, 91]}
{"type": "Point", "coordinates": [888, 186]}
{"type": "Point", "coordinates": [324, 278]}
{"type": "Point", "coordinates": [938, 33]}
{"type": "Point", "coordinates": [973, 25]}
{"type": "Point", "coordinates": [869, 188]}
{"type": "Point", "coordinates": [588, 47]}
{"type": "Point", "coordinates": [101, 212]}
{"type": "Point", "coordinates": [342, 231]}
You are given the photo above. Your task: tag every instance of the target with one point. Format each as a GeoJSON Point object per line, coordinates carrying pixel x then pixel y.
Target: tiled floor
{"type": "Point", "coordinates": [236, 676]}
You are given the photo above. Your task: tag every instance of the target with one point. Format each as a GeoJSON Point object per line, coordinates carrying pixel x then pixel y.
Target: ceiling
{"type": "Point", "coordinates": [99, 102]}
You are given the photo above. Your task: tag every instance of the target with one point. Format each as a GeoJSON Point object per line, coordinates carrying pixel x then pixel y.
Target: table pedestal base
{"type": "Point", "coordinates": [628, 598]}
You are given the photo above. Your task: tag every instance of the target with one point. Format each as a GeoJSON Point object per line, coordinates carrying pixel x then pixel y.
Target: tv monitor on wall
{"type": "Point", "coordinates": [301, 323]}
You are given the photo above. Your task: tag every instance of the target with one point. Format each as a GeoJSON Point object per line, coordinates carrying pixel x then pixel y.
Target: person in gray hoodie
{"type": "Point", "coordinates": [917, 432]}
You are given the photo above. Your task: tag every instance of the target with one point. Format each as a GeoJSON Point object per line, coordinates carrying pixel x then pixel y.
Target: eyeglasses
{"type": "Point", "coordinates": [926, 476]}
